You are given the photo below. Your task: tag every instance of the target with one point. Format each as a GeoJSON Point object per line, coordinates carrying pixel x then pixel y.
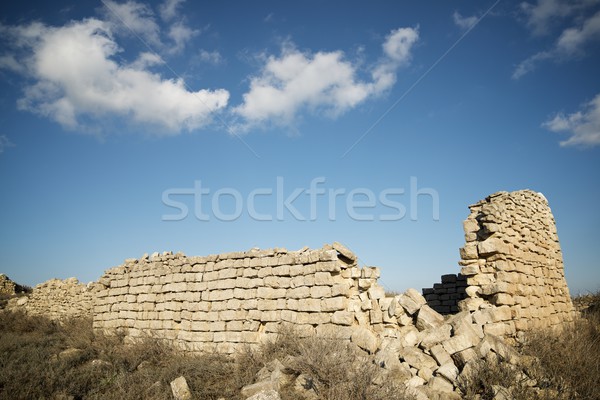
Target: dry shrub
{"type": "Point", "coordinates": [569, 359]}
{"type": "Point", "coordinates": [102, 367]}
{"type": "Point", "coordinates": [336, 369]}
{"type": "Point", "coordinates": [490, 374]}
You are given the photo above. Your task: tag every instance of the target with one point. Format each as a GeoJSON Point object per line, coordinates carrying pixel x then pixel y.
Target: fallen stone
{"type": "Point", "coordinates": [344, 251]}
{"type": "Point", "coordinates": [427, 318]}
{"type": "Point", "coordinates": [265, 395]}
{"type": "Point", "coordinates": [365, 339]}
{"type": "Point", "coordinates": [417, 359]}
{"type": "Point", "coordinates": [180, 389]}
{"type": "Point", "coordinates": [261, 386]}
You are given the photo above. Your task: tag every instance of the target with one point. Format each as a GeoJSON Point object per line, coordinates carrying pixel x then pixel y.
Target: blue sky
{"type": "Point", "coordinates": [397, 114]}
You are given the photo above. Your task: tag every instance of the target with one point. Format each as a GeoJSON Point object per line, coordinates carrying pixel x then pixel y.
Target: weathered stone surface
{"type": "Point", "coordinates": [427, 318]}
{"type": "Point", "coordinates": [180, 389]}
{"type": "Point", "coordinates": [265, 395]}
{"type": "Point", "coordinates": [365, 339]}
{"type": "Point", "coordinates": [417, 359]}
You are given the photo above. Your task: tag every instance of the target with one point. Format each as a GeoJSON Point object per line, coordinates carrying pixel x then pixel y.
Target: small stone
{"type": "Point", "coordinates": [180, 389]}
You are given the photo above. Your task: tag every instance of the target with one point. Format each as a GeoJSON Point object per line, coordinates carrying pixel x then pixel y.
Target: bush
{"type": "Point", "coordinates": [335, 369]}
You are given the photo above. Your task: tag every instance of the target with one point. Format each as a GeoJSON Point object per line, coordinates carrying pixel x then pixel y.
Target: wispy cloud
{"type": "Point", "coordinates": [135, 18]}
{"type": "Point", "coordinates": [464, 23]}
{"type": "Point", "coordinates": [76, 77]}
{"type": "Point", "coordinates": [4, 143]}
{"type": "Point", "coordinates": [584, 28]}
{"type": "Point", "coordinates": [583, 126]}
{"type": "Point", "coordinates": [322, 82]}
{"type": "Point", "coordinates": [211, 57]}
{"type": "Point", "coordinates": [169, 9]}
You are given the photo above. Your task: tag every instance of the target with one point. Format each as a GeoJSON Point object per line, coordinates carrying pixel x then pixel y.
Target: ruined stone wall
{"type": "Point", "coordinates": [513, 264]}
{"type": "Point", "coordinates": [57, 299]}
{"type": "Point", "coordinates": [7, 287]}
{"type": "Point", "coordinates": [223, 302]}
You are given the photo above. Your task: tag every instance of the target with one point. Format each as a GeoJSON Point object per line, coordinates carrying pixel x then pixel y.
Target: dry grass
{"type": "Point", "coordinates": [31, 366]}
{"type": "Point", "coordinates": [335, 369]}
{"type": "Point", "coordinates": [563, 364]}
{"type": "Point", "coordinates": [103, 367]}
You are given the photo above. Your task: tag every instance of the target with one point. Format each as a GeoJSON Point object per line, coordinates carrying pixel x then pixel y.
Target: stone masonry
{"type": "Point", "coordinates": [513, 265]}
{"type": "Point", "coordinates": [223, 302]}
{"type": "Point", "coordinates": [58, 299]}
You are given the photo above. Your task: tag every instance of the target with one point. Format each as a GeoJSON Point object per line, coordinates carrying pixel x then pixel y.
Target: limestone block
{"type": "Point", "coordinates": [270, 293]}
{"type": "Point", "coordinates": [458, 343]}
{"type": "Point", "coordinates": [434, 335]}
{"type": "Point", "coordinates": [342, 318]}
{"type": "Point", "coordinates": [376, 292]}
{"type": "Point", "coordinates": [440, 354]}
{"type": "Point", "coordinates": [311, 305]}
{"type": "Point", "coordinates": [323, 278]}
{"type": "Point", "coordinates": [319, 292]}
{"type": "Point", "coordinates": [416, 358]}
{"type": "Point", "coordinates": [463, 357]}
{"type": "Point", "coordinates": [470, 225]}
{"type": "Point", "coordinates": [500, 299]}
{"type": "Point", "coordinates": [408, 304]}
{"type": "Point", "coordinates": [334, 304]}
{"type": "Point", "coordinates": [469, 252]}
{"type": "Point", "coordinates": [427, 318]}
{"type": "Point", "coordinates": [180, 389]}
{"type": "Point", "coordinates": [491, 246]}
{"type": "Point", "coordinates": [440, 384]}
{"type": "Point", "coordinates": [376, 316]}
{"type": "Point", "coordinates": [502, 313]}
{"type": "Point", "coordinates": [344, 251]}
{"type": "Point", "coordinates": [365, 339]}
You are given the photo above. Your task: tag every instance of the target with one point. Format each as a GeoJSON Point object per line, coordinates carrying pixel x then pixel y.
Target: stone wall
{"type": "Point", "coordinates": [224, 302]}
{"type": "Point", "coordinates": [58, 299]}
{"type": "Point", "coordinates": [513, 264]}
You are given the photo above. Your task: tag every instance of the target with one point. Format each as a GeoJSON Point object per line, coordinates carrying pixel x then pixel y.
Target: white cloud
{"type": "Point", "coordinates": [169, 9]}
{"type": "Point", "coordinates": [180, 34]}
{"type": "Point", "coordinates": [583, 126]}
{"type": "Point", "coordinates": [544, 13]}
{"type": "Point", "coordinates": [464, 23]}
{"type": "Point", "coordinates": [323, 82]}
{"type": "Point", "coordinates": [571, 42]}
{"type": "Point", "coordinates": [77, 78]}
{"type": "Point", "coordinates": [4, 143]}
{"type": "Point", "coordinates": [9, 62]}
{"type": "Point", "coordinates": [530, 64]}
{"type": "Point", "coordinates": [133, 17]}
{"type": "Point", "coordinates": [211, 57]}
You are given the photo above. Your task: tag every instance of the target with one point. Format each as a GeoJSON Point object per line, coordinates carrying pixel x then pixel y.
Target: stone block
{"type": "Point", "coordinates": [416, 358]}
{"type": "Point", "coordinates": [180, 389]}
{"type": "Point", "coordinates": [343, 318]}
{"type": "Point", "coordinates": [334, 304]}
{"type": "Point", "coordinates": [427, 318]}
{"type": "Point", "coordinates": [310, 305]}
{"type": "Point", "coordinates": [365, 339]}
{"type": "Point", "coordinates": [440, 354]}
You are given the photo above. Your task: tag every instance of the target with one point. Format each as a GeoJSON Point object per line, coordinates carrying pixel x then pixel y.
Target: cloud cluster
{"type": "Point", "coordinates": [322, 82]}
{"type": "Point", "coordinates": [464, 23]}
{"type": "Point", "coordinates": [541, 17]}
{"type": "Point", "coordinates": [76, 77]}
{"type": "Point", "coordinates": [583, 126]}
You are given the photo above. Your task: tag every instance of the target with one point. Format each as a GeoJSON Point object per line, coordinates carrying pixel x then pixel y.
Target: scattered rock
{"type": "Point", "coordinates": [180, 389]}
